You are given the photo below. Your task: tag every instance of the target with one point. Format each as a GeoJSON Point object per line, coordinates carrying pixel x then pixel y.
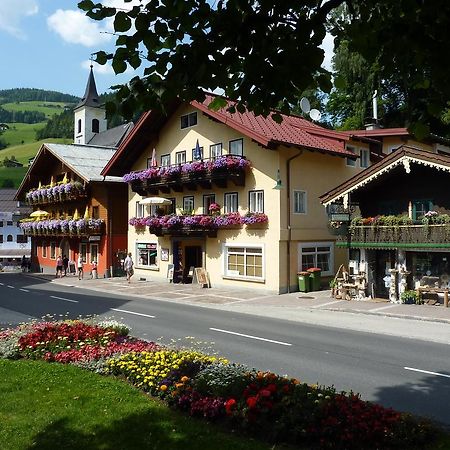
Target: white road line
{"type": "Point", "coordinates": [1, 284]}
{"type": "Point", "coordinates": [382, 307]}
{"type": "Point", "coordinates": [324, 304]}
{"type": "Point", "coordinates": [132, 312]}
{"type": "Point", "coordinates": [65, 299]}
{"type": "Point", "coordinates": [427, 372]}
{"type": "Point", "coordinates": [24, 290]}
{"type": "Point", "coordinates": [250, 337]}
{"type": "Point", "coordinates": [11, 287]}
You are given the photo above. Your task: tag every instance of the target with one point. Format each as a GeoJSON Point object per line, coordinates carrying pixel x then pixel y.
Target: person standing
{"type": "Point", "coordinates": [65, 264]}
{"type": "Point", "coordinates": [24, 263]}
{"type": "Point", "coordinates": [80, 267]}
{"type": "Point", "coordinates": [94, 270]}
{"type": "Point", "coordinates": [59, 267]}
{"type": "Point", "coordinates": [128, 267]}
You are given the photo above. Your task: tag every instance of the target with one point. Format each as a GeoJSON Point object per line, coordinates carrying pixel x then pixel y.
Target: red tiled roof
{"type": "Point", "coordinates": [379, 132]}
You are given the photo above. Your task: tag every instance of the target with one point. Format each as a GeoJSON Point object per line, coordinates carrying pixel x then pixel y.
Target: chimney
{"type": "Point", "coordinates": [372, 123]}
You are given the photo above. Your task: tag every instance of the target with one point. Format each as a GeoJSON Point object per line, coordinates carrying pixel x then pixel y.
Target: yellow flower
{"type": "Point", "coordinates": [184, 379]}
{"type": "Point", "coordinates": [163, 388]}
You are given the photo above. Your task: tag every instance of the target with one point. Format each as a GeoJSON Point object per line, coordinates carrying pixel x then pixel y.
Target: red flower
{"type": "Point", "coordinates": [251, 402]}
{"type": "Point", "coordinates": [229, 405]}
{"type": "Point", "coordinates": [264, 393]}
{"type": "Point", "coordinates": [272, 387]}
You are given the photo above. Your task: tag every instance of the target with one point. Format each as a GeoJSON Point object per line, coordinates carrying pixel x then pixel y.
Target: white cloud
{"type": "Point", "coordinates": [12, 11]}
{"type": "Point", "coordinates": [98, 68]}
{"type": "Point", "coordinates": [74, 27]}
{"type": "Point", "coordinates": [328, 47]}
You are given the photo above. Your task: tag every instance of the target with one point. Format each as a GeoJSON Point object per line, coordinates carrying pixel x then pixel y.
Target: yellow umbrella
{"type": "Point", "coordinates": [39, 213]}
{"type": "Point", "coordinates": [76, 216]}
{"type": "Point", "coordinates": [65, 178]}
{"type": "Point", "coordinates": [86, 213]}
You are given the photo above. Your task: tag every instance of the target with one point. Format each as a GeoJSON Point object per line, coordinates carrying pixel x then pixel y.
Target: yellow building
{"type": "Point", "coordinates": [265, 179]}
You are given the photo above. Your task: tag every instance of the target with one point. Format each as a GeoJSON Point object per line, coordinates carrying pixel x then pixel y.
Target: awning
{"type": "Point", "coordinates": [155, 201]}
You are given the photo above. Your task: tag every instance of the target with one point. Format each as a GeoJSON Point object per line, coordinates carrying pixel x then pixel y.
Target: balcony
{"type": "Point", "coordinates": [398, 236]}
{"type": "Point", "coordinates": [62, 227]}
{"type": "Point", "coordinates": [56, 194]}
{"type": "Point", "coordinates": [204, 174]}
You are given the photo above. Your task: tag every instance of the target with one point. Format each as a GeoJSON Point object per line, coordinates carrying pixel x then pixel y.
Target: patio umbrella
{"type": "Point", "coordinates": [39, 213]}
{"type": "Point", "coordinates": [155, 201]}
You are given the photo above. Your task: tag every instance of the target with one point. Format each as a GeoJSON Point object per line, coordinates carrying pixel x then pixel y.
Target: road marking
{"type": "Point", "coordinates": [1, 284]}
{"type": "Point", "coordinates": [382, 307]}
{"type": "Point", "coordinates": [11, 287]}
{"type": "Point", "coordinates": [428, 372]}
{"type": "Point", "coordinates": [24, 290]}
{"type": "Point", "coordinates": [65, 299]}
{"type": "Point", "coordinates": [323, 304]}
{"type": "Point", "coordinates": [132, 312]}
{"type": "Point", "coordinates": [250, 337]}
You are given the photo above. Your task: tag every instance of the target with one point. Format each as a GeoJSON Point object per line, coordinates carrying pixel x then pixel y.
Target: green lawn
{"type": "Point", "coordinates": [48, 108]}
{"type": "Point", "coordinates": [21, 133]}
{"type": "Point", "coordinates": [48, 406]}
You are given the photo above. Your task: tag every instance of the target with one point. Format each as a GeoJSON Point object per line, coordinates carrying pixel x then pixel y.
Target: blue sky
{"type": "Point", "coordinates": [47, 44]}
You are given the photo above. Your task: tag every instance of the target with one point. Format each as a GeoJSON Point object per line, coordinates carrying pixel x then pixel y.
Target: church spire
{"type": "Point", "coordinates": [90, 97]}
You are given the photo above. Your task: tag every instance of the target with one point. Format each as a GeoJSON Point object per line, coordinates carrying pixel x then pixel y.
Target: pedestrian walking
{"type": "Point", "coordinates": [94, 270]}
{"type": "Point", "coordinates": [59, 267]}
{"type": "Point", "coordinates": [24, 263]}
{"type": "Point", "coordinates": [128, 267]}
{"type": "Point", "coordinates": [65, 264]}
{"type": "Point", "coordinates": [80, 267]}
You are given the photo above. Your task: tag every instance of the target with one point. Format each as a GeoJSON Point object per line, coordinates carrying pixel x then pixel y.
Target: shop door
{"type": "Point", "coordinates": [192, 258]}
{"type": "Point", "coordinates": [385, 259]}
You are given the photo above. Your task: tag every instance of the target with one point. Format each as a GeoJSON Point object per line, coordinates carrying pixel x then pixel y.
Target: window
{"type": "Point", "coordinates": [180, 157]}
{"type": "Point", "coordinates": [207, 200]}
{"type": "Point", "coordinates": [93, 253]}
{"type": "Point", "coordinates": [9, 238]}
{"type": "Point", "coordinates": [83, 252]}
{"type": "Point", "coordinates": [364, 159]}
{"type": "Point", "coordinates": [189, 120]}
{"type": "Point", "coordinates": [256, 201]}
{"type": "Point", "coordinates": [21, 239]}
{"type": "Point", "coordinates": [1, 238]}
{"type": "Point", "coordinates": [96, 212]}
{"type": "Point", "coordinates": [79, 126]}
{"type": "Point", "coordinates": [9, 223]}
{"type": "Point", "coordinates": [316, 254]}
{"type": "Point", "coordinates": [351, 162]}
{"type": "Point", "coordinates": [230, 203]}
{"type": "Point", "coordinates": [147, 254]}
{"type": "Point", "coordinates": [188, 204]}
{"type": "Point", "coordinates": [140, 210]}
{"type": "Point", "coordinates": [44, 249]}
{"type": "Point", "coordinates": [165, 160]}
{"type": "Point", "coordinates": [195, 156]}
{"type": "Point", "coordinates": [237, 147]}
{"type": "Point", "coordinates": [52, 250]}
{"type": "Point", "coordinates": [172, 208]}
{"type": "Point", "coordinates": [299, 200]}
{"type": "Point", "coordinates": [1, 223]}
{"type": "Point", "coordinates": [421, 207]}
{"type": "Point", "coordinates": [244, 261]}
{"type": "Point", "coordinates": [95, 125]}
{"type": "Point", "coordinates": [215, 150]}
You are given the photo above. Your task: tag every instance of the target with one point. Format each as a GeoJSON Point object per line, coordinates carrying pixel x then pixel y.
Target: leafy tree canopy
{"type": "Point", "coordinates": [264, 53]}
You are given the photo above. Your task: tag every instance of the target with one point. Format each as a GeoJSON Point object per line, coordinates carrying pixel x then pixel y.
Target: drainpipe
{"type": "Point", "coordinates": [288, 187]}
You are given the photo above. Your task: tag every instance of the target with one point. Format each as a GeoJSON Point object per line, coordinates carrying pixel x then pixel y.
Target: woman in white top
{"type": "Point", "coordinates": [80, 267]}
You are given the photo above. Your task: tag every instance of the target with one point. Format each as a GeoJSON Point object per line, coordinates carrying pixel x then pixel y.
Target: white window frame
{"type": "Point", "coordinates": [165, 160]}
{"type": "Point", "coordinates": [188, 200]}
{"type": "Point", "coordinates": [91, 260]}
{"type": "Point", "coordinates": [180, 157]}
{"type": "Point", "coordinates": [329, 244]}
{"type": "Point", "coordinates": [256, 201]}
{"type": "Point", "coordinates": [366, 159]}
{"type": "Point", "coordinates": [85, 245]}
{"type": "Point", "coordinates": [349, 161]}
{"type": "Point", "coordinates": [227, 274]}
{"type": "Point", "coordinates": [158, 252]}
{"type": "Point", "coordinates": [241, 152]}
{"type": "Point", "coordinates": [295, 210]}
{"type": "Point", "coordinates": [215, 150]}
{"type": "Point", "coordinates": [140, 210]}
{"type": "Point", "coordinates": [230, 200]}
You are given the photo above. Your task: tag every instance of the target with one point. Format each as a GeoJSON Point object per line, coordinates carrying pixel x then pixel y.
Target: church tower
{"type": "Point", "coordinates": [90, 117]}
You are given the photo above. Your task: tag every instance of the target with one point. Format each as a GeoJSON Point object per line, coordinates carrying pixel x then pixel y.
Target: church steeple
{"type": "Point", "coordinates": [90, 116]}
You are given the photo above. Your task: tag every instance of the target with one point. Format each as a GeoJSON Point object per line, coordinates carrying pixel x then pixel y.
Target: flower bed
{"type": "Point", "coordinates": [58, 193]}
{"type": "Point", "coordinates": [267, 405]}
{"type": "Point", "coordinates": [222, 163]}
{"type": "Point", "coordinates": [61, 226]}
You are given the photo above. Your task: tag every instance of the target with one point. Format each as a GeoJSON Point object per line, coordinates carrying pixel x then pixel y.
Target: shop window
{"type": "Point", "coordinates": [299, 199]}
{"type": "Point", "coordinates": [188, 120]}
{"type": "Point", "coordinates": [316, 254]}
{"type": "Point", "coordinates": [93, 253]}
{"type": "Point", "coordinates": [207, 200]}
{"type": "Point", "coordinates": [215, 150]}
{"type": "Point", "coordinates": [237, 147]}
{"type": "Point", "coordinates": [147, 253]}
{"type": "Point", "coordinates": [52, 250]}
{"type": "Point", "coordinates": [230, 203]}
{"type": "Point", "coordinates": [256, 201]}
{"type": "Point", "coordinates": [244, 262]}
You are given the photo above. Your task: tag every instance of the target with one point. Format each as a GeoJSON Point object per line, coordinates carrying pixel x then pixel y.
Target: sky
{"type": "Point", "coordinates": [47, 44]}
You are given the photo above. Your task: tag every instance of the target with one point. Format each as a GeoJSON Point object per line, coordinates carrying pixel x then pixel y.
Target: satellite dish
{"type": "Point", "coordinates": [315, 115]}
{"type": "Point", "coordinates": [305, 105]}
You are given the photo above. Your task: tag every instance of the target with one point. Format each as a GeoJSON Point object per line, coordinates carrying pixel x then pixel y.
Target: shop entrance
{"type": "Point", "coordinates": [192, 258]}
{"type": "Point", "coordinates": [385, 260]}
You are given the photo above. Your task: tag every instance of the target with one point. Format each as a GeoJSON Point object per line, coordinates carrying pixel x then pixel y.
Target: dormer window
{"type": "Point", "coordinates": [95, 125]}
{"type": "Point", "coordinates": [188, 120]}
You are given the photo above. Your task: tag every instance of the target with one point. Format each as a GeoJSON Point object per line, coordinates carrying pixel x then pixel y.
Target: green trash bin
{"type": "Point", "coordinates": [304, 281]}
{"type": "Point", "coordinates": [315, 278]}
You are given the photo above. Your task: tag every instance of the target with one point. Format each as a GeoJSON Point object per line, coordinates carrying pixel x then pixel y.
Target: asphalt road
{"type": "Point", "coordinates": [406, 374]}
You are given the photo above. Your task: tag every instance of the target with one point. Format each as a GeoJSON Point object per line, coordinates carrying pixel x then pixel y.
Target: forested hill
{"type": "Point", "coordinates": [31, 94]}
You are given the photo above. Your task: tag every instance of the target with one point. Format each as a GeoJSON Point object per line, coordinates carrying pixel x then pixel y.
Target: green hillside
{"type": "Point", "coordinates": [19, 133]}
{"type": "Point", "coordinates": [48, 108]}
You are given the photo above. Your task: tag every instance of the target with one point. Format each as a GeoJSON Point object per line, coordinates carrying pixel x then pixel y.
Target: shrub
{"type": "Point", "coordinates": [411, 298]}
